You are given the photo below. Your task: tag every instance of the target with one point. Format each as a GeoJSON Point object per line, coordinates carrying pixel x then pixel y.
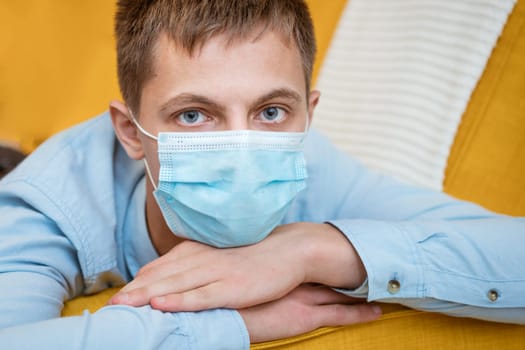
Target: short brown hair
{"type": "Point", "coordinates": [189, 23]}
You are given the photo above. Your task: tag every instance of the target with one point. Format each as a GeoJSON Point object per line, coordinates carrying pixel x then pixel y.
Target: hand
{"type": "Point", "coordinates": [304, 309]}
{"type": "Point", "coordinates": [194, 276]}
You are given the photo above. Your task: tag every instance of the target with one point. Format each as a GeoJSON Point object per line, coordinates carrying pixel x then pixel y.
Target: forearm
{"type": "Point", "coordinates": [465, 267]}
{"type": "Point", "coordinates": [445, 254]}
{"type": "Point", "coordinates": [39, 270]}
{"type": "Point", "coordinates": [117, 327]}
{"type": "Point", "coordinates": [30, 305]}
{"type": "Point", "coordinates": [328, 257]}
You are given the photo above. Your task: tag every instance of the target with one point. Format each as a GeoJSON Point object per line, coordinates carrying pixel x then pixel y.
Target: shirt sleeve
{"type": "Point", "coordinates": [423, 248]}
{"type": "Point", "coordinates": [39, 269]}
{"type": "Point", "coordinates": [460, 268]}
{"type": "Point", "coordinates": [123, 327]}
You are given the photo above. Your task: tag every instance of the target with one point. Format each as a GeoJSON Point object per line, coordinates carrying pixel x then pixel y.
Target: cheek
{"type": "Point", "coordinates": [300, 122]}
{"type": "Point", "coordinates": [151, 158]}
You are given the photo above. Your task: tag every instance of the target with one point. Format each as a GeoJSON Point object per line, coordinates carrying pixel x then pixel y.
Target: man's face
{"type": "Point", "coordinates": [253, 84]}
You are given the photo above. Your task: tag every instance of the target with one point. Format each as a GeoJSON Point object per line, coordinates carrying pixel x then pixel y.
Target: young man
{"type": "Point", "coordinates": [210, 164]}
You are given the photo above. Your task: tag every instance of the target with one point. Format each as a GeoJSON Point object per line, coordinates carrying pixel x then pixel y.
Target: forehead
{"type": "Point", "coordinates": [249, 65]}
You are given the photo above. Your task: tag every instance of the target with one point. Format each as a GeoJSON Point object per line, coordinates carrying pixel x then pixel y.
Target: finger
{"type": "Point", "coordinates": [207, 297]}
{"type": "Point", "coordinates": [341, 314]}
{"type": "Point", "coordinates": [166, 266]}
{"type": "Point", "coordinates": [179, 256]}
{"type": "Point", "coordinates": [173, 284]}
{"type": "Point", "coordinates": [219, 291]}
{"type": "Point", "coordinates": [152, 275]}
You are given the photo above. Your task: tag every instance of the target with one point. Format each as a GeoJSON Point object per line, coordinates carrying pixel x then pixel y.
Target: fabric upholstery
{"type": "Point", "coordinates": [398, 77]}
{"type": "Point", "coordinates": [487, 161]}
{"type": "Point", "coordinates": [57, 68]}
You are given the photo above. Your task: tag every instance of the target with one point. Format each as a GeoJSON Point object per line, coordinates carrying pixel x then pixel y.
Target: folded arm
{"type": "Point", "coordinates": [39, 270]}
{"type": "Point", "coordinates": [411, 245]}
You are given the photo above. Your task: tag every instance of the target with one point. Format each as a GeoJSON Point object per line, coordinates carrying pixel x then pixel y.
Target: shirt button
{"type": "Point", "coordinates": [493, 295]}
{"type": "Point", "coordinates": [393, 286]}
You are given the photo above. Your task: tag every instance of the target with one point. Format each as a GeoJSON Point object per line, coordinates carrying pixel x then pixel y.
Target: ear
{"type": "Point", "coordinates": [313, 100]}
{"type": "Point", "coordinates": [126, 130]}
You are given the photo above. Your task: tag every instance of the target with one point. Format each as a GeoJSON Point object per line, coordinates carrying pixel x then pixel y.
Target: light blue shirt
{"type": "Point", "coordinates": [72, 222]}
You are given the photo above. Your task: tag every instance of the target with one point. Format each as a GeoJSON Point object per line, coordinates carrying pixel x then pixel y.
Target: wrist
{"type": "Point", "coordinates": [331, 259]}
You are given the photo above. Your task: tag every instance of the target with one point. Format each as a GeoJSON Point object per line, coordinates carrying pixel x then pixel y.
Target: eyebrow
{"type": "Point", "coordinates": [189, 98]}
{"type": "Point", "coordinates": [279, 93]}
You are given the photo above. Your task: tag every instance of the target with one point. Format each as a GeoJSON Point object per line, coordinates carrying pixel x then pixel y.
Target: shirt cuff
{"type": "Point", "coordinates": [392, 269]}
{"type": "Point", "coordinates": [406, 261]}
{"type": "Point", "coordinates": [360, 292]}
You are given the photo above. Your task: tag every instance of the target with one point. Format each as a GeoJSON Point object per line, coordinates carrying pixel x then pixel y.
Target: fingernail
{"type": "Point", "coordinates": [377, 309]}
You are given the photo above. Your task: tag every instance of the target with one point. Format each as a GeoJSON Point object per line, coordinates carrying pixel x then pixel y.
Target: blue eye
{"type": "Point", "coordinates": [191, 117]}
{"type": "Point", "coordinates": [273, 114]}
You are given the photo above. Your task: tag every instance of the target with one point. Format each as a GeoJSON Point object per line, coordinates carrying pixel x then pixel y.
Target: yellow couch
{"type": "Point", "coordinates": [57, 68]}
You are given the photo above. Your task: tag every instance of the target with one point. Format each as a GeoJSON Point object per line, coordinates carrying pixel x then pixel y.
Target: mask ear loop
{"type": "Point", "coordinates": [153, 137]}
{"type": "Point", "coordinates": [141, 129]}
{"type": "Point", "coordinates": [149, 173]}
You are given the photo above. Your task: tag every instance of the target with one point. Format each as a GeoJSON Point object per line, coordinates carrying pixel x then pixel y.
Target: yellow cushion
{"type": "Point", "coordinates": [487, 161]}
{"type": "Point", "coordinates": [91, 303]}
{"type": "Point", "coordinates": [325, 15]}
{"type": "Point", "coordinates": [57, 66]}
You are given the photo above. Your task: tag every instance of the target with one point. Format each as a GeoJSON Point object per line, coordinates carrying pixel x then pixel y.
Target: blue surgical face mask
{"type": "Point", "coordinates": [227, 188]}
